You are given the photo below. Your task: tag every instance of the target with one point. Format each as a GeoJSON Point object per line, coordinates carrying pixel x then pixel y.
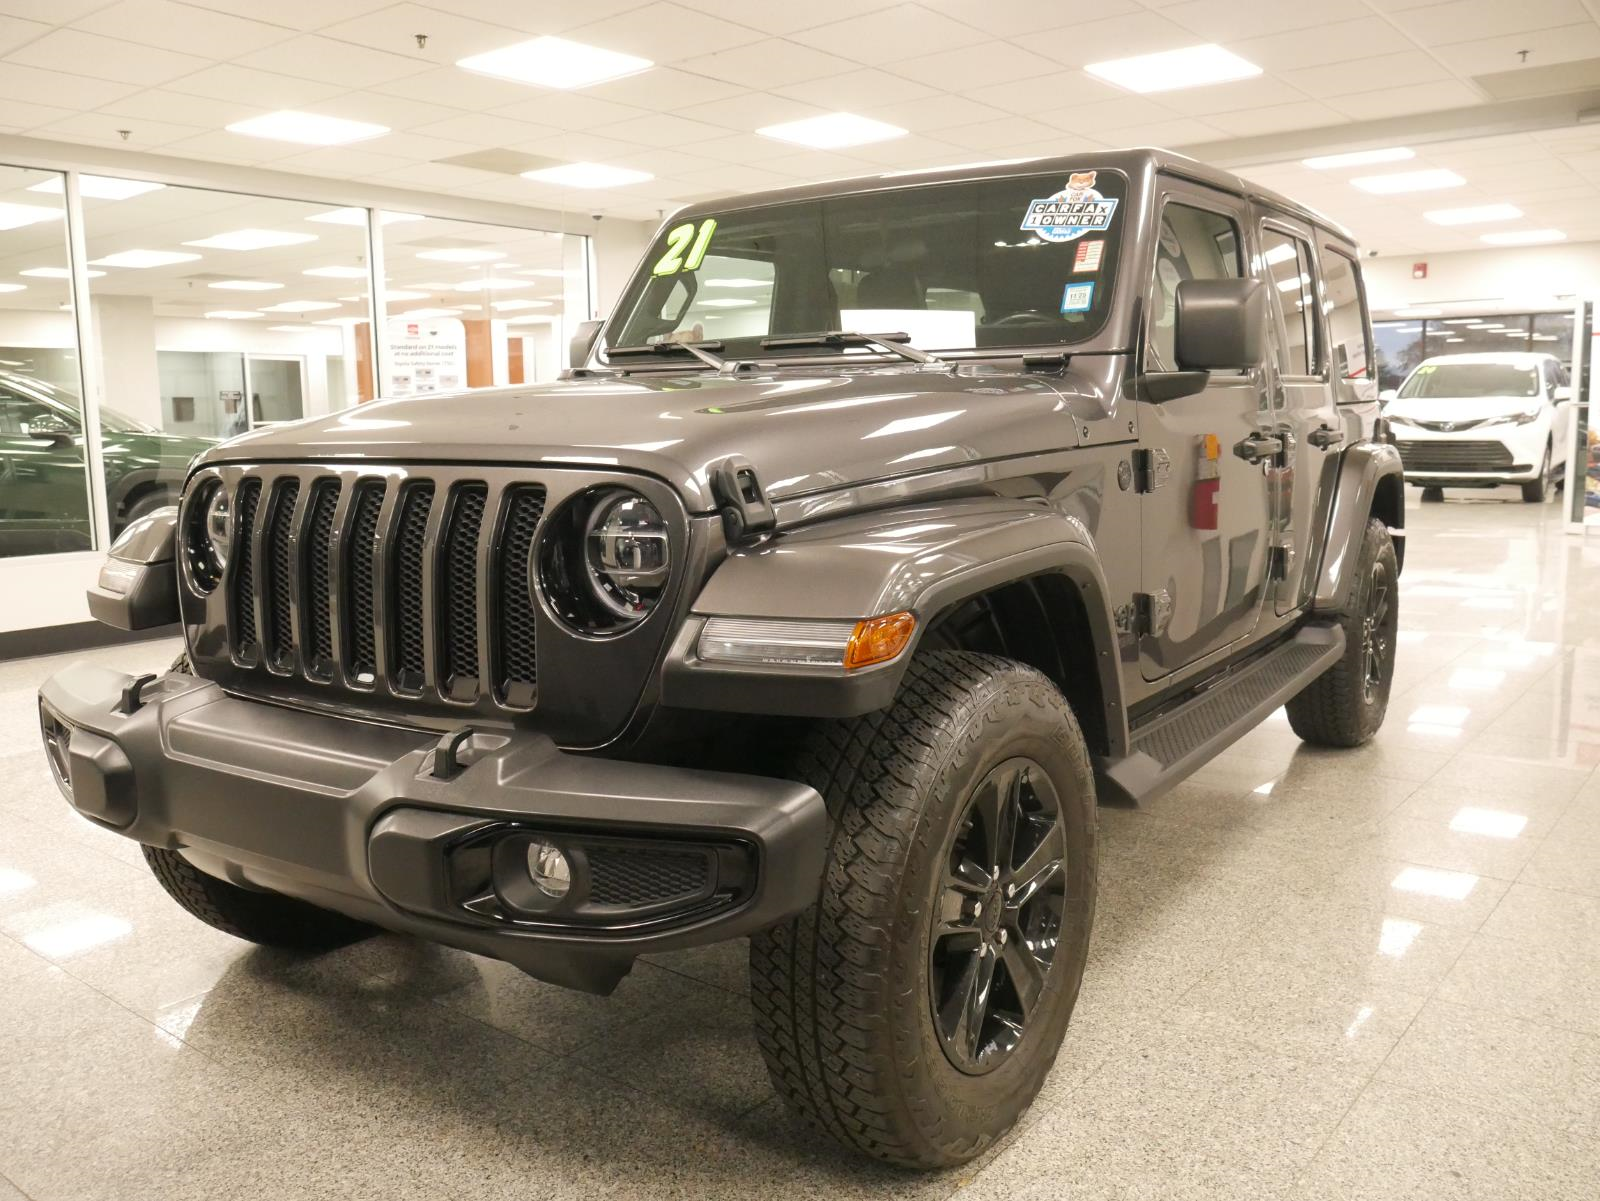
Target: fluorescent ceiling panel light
{"type": "Point", "coordinates": [233, 314]}
{"type": "Point", "coordinates": [1408, 181]}
{"type": "Point", "coordinates": [341, 321]}
{"type": "Point", "coordinates": [461, 255]}
{"type": "Point", "coordinates": [402, 294]}
{"type": "Point", "coordinates": [1523, 237]}
{"type": "Point", "coordinates": [554, 63]}
{"type": "Point", "coordinates": [288, 329]}
{"type": "Point", "coordinates": [1474, 214]}
{"type": "Point", "coordinates": [358, 216]}
{"type": "Point", "coordinates": [425, 314]}
{"type": "Point", "coordinates": [144, 258]}
{"type": "Point", "coordinates": [726, 302]}
{"type": "Point", "coordinates": [301, 306]}
{"type": "Point", "coordinates": [1492, 823]}
{"type": "Point", "coordinates": [1358, 158]}
{"type": "Point", "coordinates": [336, 272]}
{"type": "Point", "coordinates": [513, 306]}
{"type": "Point", "coordinates": [13, 287]}
{"type": "Point", "coordinates": [99, 187]}
{"type": "Point", "coordinates": [832, 131]}
{"type": "Point", "coordinates": [56, 273]}
{"type": "Point", "coordinates": [310, 129]}
{"type": "Point", "coordinates": [245, 285]}
{"type": "Point", "coordinates": [492, 285]}
{"type": "Point", "coordinates": [1417, 312]}
{"type": "Point", "coordinates": [1191, 67]}
{"type": "Point", "coordinates": [252, 239]}
{"type": "Point", "coordinates": [587, 175]}
{"type": "Point", "coordinates": [735, 282]}
{"type": "Point", "coordinates": [548, 272]}
{"type": "Point", "coordinates": [15, 216]}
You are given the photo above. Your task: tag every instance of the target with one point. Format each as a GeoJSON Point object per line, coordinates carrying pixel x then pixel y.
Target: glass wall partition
{"type": "Point", "coordinates": [1404, 344]}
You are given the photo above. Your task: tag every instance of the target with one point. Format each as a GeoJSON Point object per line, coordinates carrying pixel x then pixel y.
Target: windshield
{"type": "Point", "coordinates": [1023, 261]}
{"type": "Point", "coordinates": [1467, 380]}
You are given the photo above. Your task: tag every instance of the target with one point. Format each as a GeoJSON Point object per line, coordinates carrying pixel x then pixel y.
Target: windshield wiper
{"type": "Point", "coordinates": [893, 343]}
{"type": "Point", "coordinates": [700, 350]}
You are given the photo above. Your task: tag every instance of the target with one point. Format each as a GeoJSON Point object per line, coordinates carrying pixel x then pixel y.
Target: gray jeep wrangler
{"type": "Point", "coordinates": [885, 526]}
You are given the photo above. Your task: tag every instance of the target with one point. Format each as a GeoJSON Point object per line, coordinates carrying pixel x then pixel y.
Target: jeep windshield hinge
{"type": "Point", "coordinates": [747, 515]}
{"type": "Point", "coordinates": [1151, 469]}
{"type": "Point", "coordinates": [1147, 615]}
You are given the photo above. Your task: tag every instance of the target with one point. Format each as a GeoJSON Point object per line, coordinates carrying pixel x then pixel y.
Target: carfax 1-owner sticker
{"type": "Point", "coordinates": [1072, 212]}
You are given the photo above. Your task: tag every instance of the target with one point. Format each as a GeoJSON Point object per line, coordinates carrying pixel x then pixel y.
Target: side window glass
{"type": "Point", "coordinates": [1347, 317]}
{"type": "Point", "coordinates": [1288, 266]}
{"type": "Point", "coordinates": [1194, 243]}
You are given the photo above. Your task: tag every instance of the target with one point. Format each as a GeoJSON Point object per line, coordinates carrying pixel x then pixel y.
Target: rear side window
{"type": "Point", "coordinates": [1288, 264]}
{"type": "Point", "coordinates": [1347, 316]}
{"type": "Point", "coordinates": [1195, 243]}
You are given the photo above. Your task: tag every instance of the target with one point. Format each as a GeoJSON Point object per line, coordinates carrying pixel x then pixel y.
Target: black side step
{"type": "Point", "coordinates": [1172, 745]}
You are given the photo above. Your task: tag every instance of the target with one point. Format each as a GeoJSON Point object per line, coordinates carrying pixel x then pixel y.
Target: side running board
{"type": "Point", "coordinates": [1172, 744]}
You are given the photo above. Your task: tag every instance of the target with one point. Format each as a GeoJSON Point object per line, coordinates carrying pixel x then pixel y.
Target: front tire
{"type": "Point", "coordinates": [1432, 495]}
{"type": "Point", "coordinates": [915, 1010]}
{"type": "Point", "coordinates": [1345, 705]}
{"type": "Point", "coordinates": [1535, 491]}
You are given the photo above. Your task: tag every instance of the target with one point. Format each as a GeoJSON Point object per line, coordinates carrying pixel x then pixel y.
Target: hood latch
{"type": "Point", "coordinates": [742, 501]}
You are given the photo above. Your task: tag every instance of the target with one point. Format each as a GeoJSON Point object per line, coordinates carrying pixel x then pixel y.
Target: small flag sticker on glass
{"type": "Point", "coordinates": [1088, 256]}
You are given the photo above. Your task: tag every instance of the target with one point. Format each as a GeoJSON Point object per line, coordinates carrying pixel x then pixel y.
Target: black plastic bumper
{"type": "Point", "coordinates": [378, 823]}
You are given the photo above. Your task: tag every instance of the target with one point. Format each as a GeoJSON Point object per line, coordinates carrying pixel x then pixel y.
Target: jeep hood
{"type": "Point", "coordinates": [803, 432]}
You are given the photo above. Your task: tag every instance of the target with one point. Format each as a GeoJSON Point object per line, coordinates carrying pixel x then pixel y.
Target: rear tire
{"type": "Point", "coordinates": [1346, 704]}
{"type": "Point", "coordinates": [260, 917]}
{"type": "Point", "coordinates": [871, 1007]}
{"type": "Point", "coordinates": [1535, 491]}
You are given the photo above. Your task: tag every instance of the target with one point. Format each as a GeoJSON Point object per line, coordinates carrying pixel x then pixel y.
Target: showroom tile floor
{"type": "Point", "coordinates": [1371, 974]}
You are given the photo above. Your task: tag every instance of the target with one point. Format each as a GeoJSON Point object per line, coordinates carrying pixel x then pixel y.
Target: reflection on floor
{"type": "Point", "coordinates": [1364, 975]}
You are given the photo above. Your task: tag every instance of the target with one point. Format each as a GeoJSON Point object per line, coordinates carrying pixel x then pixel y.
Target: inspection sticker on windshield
{"type": "Point", "coordinates": [1088, 257]}
{"type": "Point", "coordinates": [1072, 212]}
{"type": "Point", "coordinates": [1077, 298]}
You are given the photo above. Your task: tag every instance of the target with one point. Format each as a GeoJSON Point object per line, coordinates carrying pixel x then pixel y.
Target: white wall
{"type": "Point", "coordinates": [125, 336]}
{"type": "Point", "coordinates": [1526, 277]}
{"type": "Point", "coordinates": [618, 246]}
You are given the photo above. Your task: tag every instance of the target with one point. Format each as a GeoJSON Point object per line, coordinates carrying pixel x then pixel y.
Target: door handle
{"type": "Point", "coordinates": [1325, 438]}
{"type": "Point", "coordinates": [1257, 447]}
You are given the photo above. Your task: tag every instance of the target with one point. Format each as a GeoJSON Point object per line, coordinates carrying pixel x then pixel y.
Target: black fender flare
{"type": "Point", "coordinates": [1371, 483]}
{"type": "Point", "coordinates": [925, 559]}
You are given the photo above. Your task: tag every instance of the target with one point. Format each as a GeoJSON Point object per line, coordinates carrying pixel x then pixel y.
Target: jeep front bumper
{"type": "Point", "coordinates": [388, 826]}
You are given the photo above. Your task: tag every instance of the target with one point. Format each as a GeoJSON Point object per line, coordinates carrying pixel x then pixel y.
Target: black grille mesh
{"type": "Point", "coordinates": [358, 612]}
{"type": "Point", "coordinates": [280, 578]}
{"type": "Point", "coordinates": [459, 587]}
{"type": "Point", "coordinates": [244, 575]}
{"type": "Point", "coordinates": [319, 575]}
{"type": "Point", "coordinates": [624, 876]}
{"type": "Point", "coordinates": [1465, 455]}
{"type": "Point", "coordinates": [516, 629]}
{"type": "Point", "coordinates": [410, 537]}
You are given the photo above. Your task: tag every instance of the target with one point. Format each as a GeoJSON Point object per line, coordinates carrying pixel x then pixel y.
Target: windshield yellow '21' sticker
{"type": "Point", "coordinates": [686, 247]}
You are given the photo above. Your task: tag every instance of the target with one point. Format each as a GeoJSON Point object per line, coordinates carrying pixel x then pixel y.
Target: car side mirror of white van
{"type": "Point", "coordinates": [1388, 394]}
{"type": "Point", "coordinates": [1561, 392]}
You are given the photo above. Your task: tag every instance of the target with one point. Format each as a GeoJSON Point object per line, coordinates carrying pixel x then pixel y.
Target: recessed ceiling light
{"type": "Point", "coordinates": [1418, 312]}
{"type": "Point", "coordinates": [341, 321]}
{"type": "Point", "coordinates": [549, 272]}
{"type": "Point", "coordinates": [309, 129]}
{"type": "Point", "coordinates": [301, 306]}
{"type": "Point", "coordinates": [288, 329]}
{"type": "Point", "coordinates": [1523, 237]}
{"type": "Point", "coordinates": [56, 273]}
{"type": "Point", "coordinates": [1408, 181]}
{"type": "Point", "coordinates": [252, 239]}
{"type": "Point", "coordinates": [425, 314]}
{"type": "Point", "coordinates": [99, 187]}
{"type": "Point", "coordinates": [245, 285]}
{"type": "Point", "coordinates": [726, 302]}
{"type": "Point", "coordinates": [15, 216]}
{"type": "Point", "coordinates": [144, 258]}
{"type": "Point", "coordinates": [735, 282]}
{"type": "Point", "coordinates": [554, 63]}
{"type": "Point", "coordinates": [337, 272]}
{"type": "Point", "coordinates": [355, 216]}
{"type": "Point", "coordinates": [461, 255]}
{"type": "Point", "coordinates": [587, 175]}
{"type": "Point", "coordinates": [1359, 158]}
{"type": "Point", "coordinates": [13, 287]}
{"type": "Point", "coordinates": [1191, 67]}
{"type": "Point", "coordinates": [233, 314]}
{"type": "Point", "coordinates": [832, 131]}
{"type": "Point", "coordinates": [513, 306]}
{"type": "Point", "coordinates": [492, 285]}
{"type": "Point", "coordinates": [402, 294]}
{"type": "Point", "coordinates": [1474, 214]}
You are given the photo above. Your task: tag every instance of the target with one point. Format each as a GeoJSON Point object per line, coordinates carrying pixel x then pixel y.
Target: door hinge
{"type": "Point", "coordinates": [1151, 469]}
{"type": "Point", "coordinates": [1148, 614]}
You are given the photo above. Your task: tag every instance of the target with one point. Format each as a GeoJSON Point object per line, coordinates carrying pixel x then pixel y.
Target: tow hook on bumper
{"type": "Point", "coordinates": [379, 823]}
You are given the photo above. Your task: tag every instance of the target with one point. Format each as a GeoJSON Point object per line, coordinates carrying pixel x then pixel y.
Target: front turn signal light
{"type": "Point", "coordinates": [879, 639]}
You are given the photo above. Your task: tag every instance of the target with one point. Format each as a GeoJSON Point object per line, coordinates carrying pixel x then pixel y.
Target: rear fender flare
{"type": "Point", "coordinates": [1371, 484]}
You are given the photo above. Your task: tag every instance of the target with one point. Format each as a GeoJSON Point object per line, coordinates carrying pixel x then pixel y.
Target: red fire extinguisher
{"type": "Point", "coordinates": [1207, 486]}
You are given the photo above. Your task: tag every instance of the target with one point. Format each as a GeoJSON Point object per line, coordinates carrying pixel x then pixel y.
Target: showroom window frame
{"type": "Point", "coordinates": [73, 161]}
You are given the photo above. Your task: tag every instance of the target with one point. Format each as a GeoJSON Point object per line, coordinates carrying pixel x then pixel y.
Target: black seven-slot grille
{"type": "Point", "coordinates": [1450, 455]}
{"type": "Point", "coordinates": [421, 582]}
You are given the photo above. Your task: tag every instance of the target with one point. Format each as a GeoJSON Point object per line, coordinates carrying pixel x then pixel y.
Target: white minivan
{"type": "Point", "coordinates": [1477, 420]}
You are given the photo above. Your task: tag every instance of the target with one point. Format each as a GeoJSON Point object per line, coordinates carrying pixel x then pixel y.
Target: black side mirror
{"type": "Point", "coordinates": [49, 428]}
{"type": "Point", "coordinates": [582, 343]}
{"type": "Point", "coordinates": [1219, 323]}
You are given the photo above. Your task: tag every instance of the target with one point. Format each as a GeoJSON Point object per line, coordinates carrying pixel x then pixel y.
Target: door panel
{"type": "Point", "coordinates": [1204, 540]}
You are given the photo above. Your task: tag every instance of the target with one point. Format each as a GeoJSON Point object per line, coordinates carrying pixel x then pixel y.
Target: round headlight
{"type": "Point", "coordinates": [604, 560]}
{"type": "Point", "coordinates": [218, 525]}
{"type": "Point", "coordinates": [206, 528]}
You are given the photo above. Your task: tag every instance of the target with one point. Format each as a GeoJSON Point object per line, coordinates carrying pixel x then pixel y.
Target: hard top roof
{"type": "Point", "coordinates": [1135, 163]}
{"type": "Point", "coordinates": [1509, 358]}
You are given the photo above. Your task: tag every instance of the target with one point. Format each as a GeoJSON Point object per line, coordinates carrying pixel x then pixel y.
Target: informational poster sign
{"type": "Point", "coordinates": [426, 356]}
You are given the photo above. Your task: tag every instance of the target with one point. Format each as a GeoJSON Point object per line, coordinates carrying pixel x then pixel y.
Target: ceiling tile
{"type": "Point", "coordinates": [1107, 114]}
{"type": "Point", "coordinates": [976, 66]}
{"type": "Point", "coordinates": [547, 16]}
{"type": "Point", "coordinates": [744, 148]}
{"type": "Point", "coordinates": [889, 35]}
{"type": "Point", "coordinates": [482, 129]}
{"type": "Point", "coordinates": [1412, 98]}
{"type": "Point", "coordinates": [232, 147]}
{"type": "Point", "coordinates": [1044, 92]}
{"type": "Point", "coordinates": [32, 84]}
{"type": "Point", "coordinates": [88, 54]}
{"type": "Point", "coordinates": [262, 90]}
{"type": "Point", "coordinates": [1470, 20]}
{"type": "Point", "coordinates": [1571, 43]}
{"type": "Point", "coordinates": [53, 12]}
{"type": "Point", "coordinates": [15, 32]}
{"type": "Point", "coordinates": [450, 37]}
{"type": "Point", "coordinates": [856, 91]}
{"type": "Point", "coordinates": [19, 114]}
{"type": "Point", "coordinates": [752, 110]}
{"type": "Point", "coordinates": [936, 112]}
{"type": "Point", "coordinates": [785, 18]}
{"type": "Point", "coordinates": [583, 148]}
{"type": "Point", "coordinates": [567, 110]}
{"type": "Point", "coordinates": [1111, 38]}
{"type": "Point", "coordinates": [458, 89]}
{"type": "Point", "coordinates": [983, 134]}
{"type": "Point", "coordinates": [328, 61]}
{"type": "Point", "coordinates": [397, 112]}
{"type": "Point", "coordinates": [102, 130]}
{"type": "Point", "coordinates": [1275, 118]}
{"type": "Point", "coordinates": [661, 129]}
{"type": "Point", "coordinates": [1022, 19]}
{"type": "Point", "coordinates": [183, 27]}
{"type": "Point", "coordinates": [819, 165]}
{"type": "Point", "coordinates": [663, 90]}
{"type": "Point", "coordinates": [911, 153]}
{"type": "Point", "coordinates": [767, 64]}
{"type": "Point", "coordinates": [1261, 92]}
{"type": "Point", "coordinates": [179, 109]}
{"type": "Point", "coordinates": [297, 14]}
{"type": "Point", "coordinates": [1341, 41]}
{"type": "Point", "coordinates": [664, 33]}
{"type": "Point", "coordinates": [340, 160]}
{"type": "Point", "coordinates": [1337, 79]}
{"type": "Point", "coordinates": [1232, 20]}
{"type": "Point", "coordinates": [1178, 132]}
{"type": "Point", "coordinates": [418, 147]}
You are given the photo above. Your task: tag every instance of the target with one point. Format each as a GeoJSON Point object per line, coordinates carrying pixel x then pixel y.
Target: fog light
{"type": "Point", "coordinates": [549, 869]}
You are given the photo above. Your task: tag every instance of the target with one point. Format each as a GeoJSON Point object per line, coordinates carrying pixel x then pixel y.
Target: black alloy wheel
{"type": "Point", "coordinates": [999, 914]}
{"type": "Point", "coordinates": [1378, 627]}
